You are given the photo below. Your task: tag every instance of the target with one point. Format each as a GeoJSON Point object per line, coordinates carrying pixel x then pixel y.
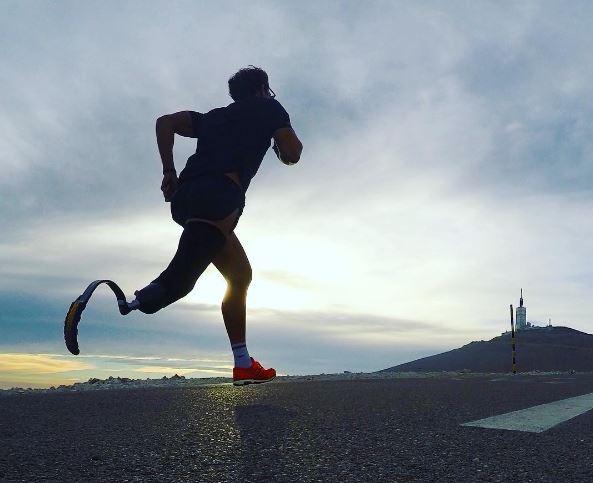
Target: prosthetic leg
{"type": "Point", "coordinates": [78, 306]}
{"type": "Point", "coordinates": [198, 245]}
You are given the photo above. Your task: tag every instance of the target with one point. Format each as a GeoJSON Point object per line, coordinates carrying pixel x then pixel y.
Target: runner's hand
{"type": "Point", "coordinates": [169, 185]}
{"type": "Point", "coordinates": [279, 156]}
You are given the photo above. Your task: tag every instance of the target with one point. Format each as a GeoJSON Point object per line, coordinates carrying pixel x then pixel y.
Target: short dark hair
{"type": "Point", "coordinates": [247, 82]}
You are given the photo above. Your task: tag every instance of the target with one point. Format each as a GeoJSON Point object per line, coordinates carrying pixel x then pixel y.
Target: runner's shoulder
{"type": "Point", "coordinates": [261, 107]}
{"type": "Point", "coordinates": [262, 102]}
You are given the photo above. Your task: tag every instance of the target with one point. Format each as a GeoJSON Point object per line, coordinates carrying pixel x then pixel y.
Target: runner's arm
{"type": "Point", "coordinates": [166, 128]}
{"type": "Point", "coordinates": [287, 145]}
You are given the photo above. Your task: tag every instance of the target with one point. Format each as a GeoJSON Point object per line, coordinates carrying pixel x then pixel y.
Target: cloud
{"type": "Point", "coordinates": [36, 364]}
{"type": "Point", "coordinates": [44, 370]}
{"type": "Point", "coordinates": [287, 278]}
{"type": "Point", "coordinates": [181, 370]}
{"type": "Point", "coordinates": [126, 359]}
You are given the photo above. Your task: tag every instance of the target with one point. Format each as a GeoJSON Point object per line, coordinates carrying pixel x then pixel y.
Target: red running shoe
{"type": "Point", "coordinates": [255, 374]}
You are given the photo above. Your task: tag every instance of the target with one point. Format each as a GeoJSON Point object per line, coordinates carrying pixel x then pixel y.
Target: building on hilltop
{"type": "Point", "coordinates": [521, 319]}
{"type": "Point", "coordinates": [521, 315]}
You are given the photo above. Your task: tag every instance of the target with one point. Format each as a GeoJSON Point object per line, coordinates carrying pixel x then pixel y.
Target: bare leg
{"type": "Point", "coordinates": [234, 266]}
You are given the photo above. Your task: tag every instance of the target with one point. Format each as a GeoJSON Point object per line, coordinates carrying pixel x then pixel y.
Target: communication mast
{"type": "Point", "coordinates": [521, 319]}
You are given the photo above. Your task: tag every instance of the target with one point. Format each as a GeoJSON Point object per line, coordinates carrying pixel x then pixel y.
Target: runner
{"type": "Point", "coordinates": [207, 200]}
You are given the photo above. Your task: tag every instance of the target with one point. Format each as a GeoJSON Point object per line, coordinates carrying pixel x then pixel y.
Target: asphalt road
{"type": "Point", "coordinates": [361, 430]}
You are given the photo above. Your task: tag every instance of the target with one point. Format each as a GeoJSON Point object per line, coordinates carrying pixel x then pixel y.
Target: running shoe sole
{"type": "Point", "coordinates": [245, 382]}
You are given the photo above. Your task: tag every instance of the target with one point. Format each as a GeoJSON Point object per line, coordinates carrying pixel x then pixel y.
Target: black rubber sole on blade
{"type": "Point", "coordinates": [71, 327]}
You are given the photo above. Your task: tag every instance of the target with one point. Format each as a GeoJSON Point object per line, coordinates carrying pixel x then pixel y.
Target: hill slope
{"type": "Point", "coordinates": [541, 349]}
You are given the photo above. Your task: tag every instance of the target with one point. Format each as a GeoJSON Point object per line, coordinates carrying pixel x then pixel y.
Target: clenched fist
{"type": "Point", "coordinates": [169, 185]}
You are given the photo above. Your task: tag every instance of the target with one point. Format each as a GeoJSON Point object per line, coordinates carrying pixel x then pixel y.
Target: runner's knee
{"type": "Point", "coordinates": [240, 279]}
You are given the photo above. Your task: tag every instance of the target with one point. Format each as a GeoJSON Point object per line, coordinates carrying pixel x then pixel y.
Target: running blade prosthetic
{"type": "Point", "coordinates": [78, 306]}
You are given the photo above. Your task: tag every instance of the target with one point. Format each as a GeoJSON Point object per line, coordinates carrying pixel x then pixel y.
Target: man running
{"type": "Point", "coordinates": [208, 198]}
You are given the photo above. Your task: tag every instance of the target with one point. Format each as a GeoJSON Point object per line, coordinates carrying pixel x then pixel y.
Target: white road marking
{"type": "Point", "coordinates": [540, 418]}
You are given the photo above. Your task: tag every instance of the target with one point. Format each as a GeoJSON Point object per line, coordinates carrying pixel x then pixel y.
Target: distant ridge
{"type": "Point", "coordinates": [538, 349]}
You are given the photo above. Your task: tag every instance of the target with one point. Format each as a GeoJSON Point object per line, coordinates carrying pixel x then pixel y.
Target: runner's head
{"type": "Point", "coordinates": [249, 81]}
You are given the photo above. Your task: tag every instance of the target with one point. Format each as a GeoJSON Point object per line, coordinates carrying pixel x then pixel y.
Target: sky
{"type": "Point", "coordinates": [447, 164]}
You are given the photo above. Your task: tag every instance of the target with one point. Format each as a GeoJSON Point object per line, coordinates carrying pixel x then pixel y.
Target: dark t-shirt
{"type": "Point", "coordinates": [235, 137]}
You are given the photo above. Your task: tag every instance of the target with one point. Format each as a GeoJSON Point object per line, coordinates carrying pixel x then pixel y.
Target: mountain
{"type": "Point", "coordinates": [538, 349]}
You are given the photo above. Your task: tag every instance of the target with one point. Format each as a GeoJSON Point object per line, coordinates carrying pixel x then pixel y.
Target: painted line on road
{"type": "Point", "coordinates": [539, 418]}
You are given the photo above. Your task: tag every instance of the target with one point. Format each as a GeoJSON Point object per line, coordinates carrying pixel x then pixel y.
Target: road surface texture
{"type": "Point", "coordinates": [351, 430]}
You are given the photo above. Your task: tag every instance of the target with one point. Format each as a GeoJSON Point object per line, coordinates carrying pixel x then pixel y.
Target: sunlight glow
{"type": "Point", "coordinates": [290, 279]}
{"type": "Point", "coordinates": [38, 364]}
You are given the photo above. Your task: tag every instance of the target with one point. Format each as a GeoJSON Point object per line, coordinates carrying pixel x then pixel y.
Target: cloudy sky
{"type": "Point", "coordinates": [447, 163]}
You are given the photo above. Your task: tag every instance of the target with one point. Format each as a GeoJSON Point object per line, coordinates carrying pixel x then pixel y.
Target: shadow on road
{"type": "Point", "coordinates": [263, 430]}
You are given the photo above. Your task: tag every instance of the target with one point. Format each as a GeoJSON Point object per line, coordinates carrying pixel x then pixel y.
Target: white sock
{"type": "Point", "coordinates": [134, 304]}
{"type": "Point", "coordinates": [241, 355]}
